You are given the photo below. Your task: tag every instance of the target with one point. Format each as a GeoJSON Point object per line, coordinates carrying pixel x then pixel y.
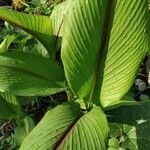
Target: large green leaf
{"type": "Point", "coordinates": [131, 125]}
{"type": "Point", "coordinates": [66, 127]}
{"type": "Point", "coordinates": [27, 74]}
{"type": "Point", "coordinates": [38, 26]}
{"type": "Point", "coordinates": [103, 45]}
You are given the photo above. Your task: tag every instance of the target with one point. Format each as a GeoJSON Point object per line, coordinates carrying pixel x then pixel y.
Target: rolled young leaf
{"type": "Point", "coordinates": [38, 26]}
{"type": "Point", "coordinates": [66, 127]}
{"type": "Point", "coordinates": [57, 17]}
{"type": "Point", "coordinates": [103, 45]}
{"type": "Point", "coordinates": [27, 74]}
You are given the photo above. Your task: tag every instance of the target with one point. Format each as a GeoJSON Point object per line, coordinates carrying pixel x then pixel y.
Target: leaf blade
{"type": "Point", "coordinates": [31, 24]}
{"type": "Point", "coordinates": [128, 45]}
{"type": "Point", "coordinates": [27, 74]}
{"type": "Point", "coordinates": [68, 135]}
{"type": "Point", "coordinates": [83, 27]}
{"type": "Point", "coordinates": [102, 68]}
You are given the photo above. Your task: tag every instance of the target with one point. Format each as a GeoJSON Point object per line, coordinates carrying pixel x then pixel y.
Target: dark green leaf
{"type": "Point", "coordinates": [131, 125]}
{"type": "Point", "coordinates": [9, 107]}
{"type": "Point", "coordinates": [27, 74]}
{"type": "Point", "coordinates": [22, 130]}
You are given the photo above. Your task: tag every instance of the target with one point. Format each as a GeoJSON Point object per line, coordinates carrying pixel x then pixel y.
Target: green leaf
{"type": "Point", "coordinates": [22, 130]}
{"type": "Point", "coordinates": [127, 100]}
{"type": "Point", "coordinates": [38, 26]}
{"type": "Point", "coordinates": [27, 74]}
{"type": "Point", "coordinates": [65, 127]}
{"type": "Point", "coordinates": [131, 125]}
{"type": "Point", "coordinates": [113, 143]}
{"type": "Point", "coordinates": [57, 17]}
{"type": "Point", "coordinates": [34, 47]}
{"type": "Point", "coordinates": [6, 43]}
{"type": "Point", "coordinates": [9, 107]}
{"type": "Point", "coordinates": [103, 45]}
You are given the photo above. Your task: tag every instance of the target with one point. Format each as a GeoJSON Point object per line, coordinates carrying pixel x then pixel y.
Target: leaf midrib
{"type": "Point", "coordinates": [102, 51]}
{"type": "Point", "coordinates": [67, 133]}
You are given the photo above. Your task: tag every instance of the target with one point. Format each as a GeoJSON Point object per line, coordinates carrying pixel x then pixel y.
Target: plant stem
{"type": "Point", "coordinates": [25, 4]}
